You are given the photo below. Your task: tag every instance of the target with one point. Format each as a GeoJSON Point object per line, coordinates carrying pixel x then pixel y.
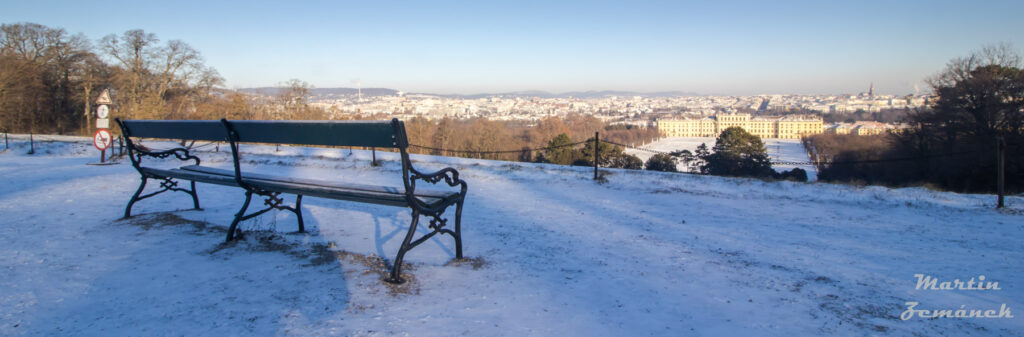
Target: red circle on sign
{"type": "Point", "coordinates": [102, 139]}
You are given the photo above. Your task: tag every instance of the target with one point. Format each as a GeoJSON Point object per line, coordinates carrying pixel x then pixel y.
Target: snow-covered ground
{"type": "Point", "coordinates": [553, 253]}
{"type": "Point", "coordinates": [779, 150]}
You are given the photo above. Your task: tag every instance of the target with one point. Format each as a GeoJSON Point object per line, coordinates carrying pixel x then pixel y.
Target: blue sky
{"type": "Point", "coordinates": [715, 47]}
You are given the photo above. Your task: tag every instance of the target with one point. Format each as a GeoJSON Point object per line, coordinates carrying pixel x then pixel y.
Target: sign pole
{"type": "Point", "coordinates": [1001, 170]}
{"type": "Point", "coordinates": [103, 139]}
{"type": "Point", "coordinates": [596, 137]}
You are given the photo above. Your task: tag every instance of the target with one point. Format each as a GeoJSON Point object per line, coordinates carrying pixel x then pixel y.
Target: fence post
{"type": "Point", "coordinates": [1001, 170]}
{"type": "Point", "coordinates": [6, 145]}
{"type": "Point", "coordinates": [596, 140]}
{"type": "Point", "coordinates": [373, 151]}
{"type": "Point", "coordinates": [31, 144]}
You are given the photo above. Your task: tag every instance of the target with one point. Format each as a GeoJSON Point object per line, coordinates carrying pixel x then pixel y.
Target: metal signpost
{"type": "Point", "coordinates": [103, 139]}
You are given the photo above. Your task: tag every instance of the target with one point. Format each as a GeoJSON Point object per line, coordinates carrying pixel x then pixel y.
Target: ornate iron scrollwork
{"type": "Point", "coordinates": [168, 184]}
{"type": "Point", "coordinates": [180, 153]}
{"type": "Point", "coordinates": [437, 222]}
{"type": "Point", "coordinates": [272, 200]}
{"type": "Point", "coordinates": [449, 175]}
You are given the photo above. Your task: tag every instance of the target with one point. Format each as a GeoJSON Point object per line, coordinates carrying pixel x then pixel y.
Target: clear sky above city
{"type": "Point", "coordinates": [714, 47]}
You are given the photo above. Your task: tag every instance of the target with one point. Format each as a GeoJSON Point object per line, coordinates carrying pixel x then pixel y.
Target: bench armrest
{"type": "Point", "coordinates": [448, 174]}
{"type": "Point", "coordinates": [180, 153]}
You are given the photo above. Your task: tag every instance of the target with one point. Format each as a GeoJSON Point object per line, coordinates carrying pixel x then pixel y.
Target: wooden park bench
{"type": "Point", "coordinates": [378, 134]}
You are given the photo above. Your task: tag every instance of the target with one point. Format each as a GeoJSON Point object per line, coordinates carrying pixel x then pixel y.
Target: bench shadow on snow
{"type": "Point", "coordinates": [262, 283]}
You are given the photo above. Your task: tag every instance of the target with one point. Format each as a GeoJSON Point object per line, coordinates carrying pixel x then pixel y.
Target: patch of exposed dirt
{"type": "Point", "coordinates": [475, 262]}
{"type": "Point", "coordinates": [326, 254]}
{"type": "Point", "coordinates": [378, 266]}
{"type": "Point", "coordinates": [168, 219]}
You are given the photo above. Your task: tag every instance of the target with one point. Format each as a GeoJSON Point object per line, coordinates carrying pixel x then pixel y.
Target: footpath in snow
{"type": "Point", "coordinates": [552, 253]}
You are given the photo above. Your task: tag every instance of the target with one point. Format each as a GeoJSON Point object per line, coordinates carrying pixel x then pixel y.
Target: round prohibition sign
{"type": "Point", "coordinates": [102, 139]}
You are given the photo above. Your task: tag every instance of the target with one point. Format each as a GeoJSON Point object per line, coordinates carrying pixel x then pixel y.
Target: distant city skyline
{"type": "Point", "coordinates": [442, 47]}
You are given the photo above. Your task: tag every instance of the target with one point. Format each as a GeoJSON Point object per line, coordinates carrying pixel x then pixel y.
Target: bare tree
{"type": "Point", "coordinates": [293, 97]}
{"type": "Point", "coordinates": [294, 92]}
{"type": "Point", "coordinates": [40, 77]}
{"type": "Point", "coordinates": [158, 81]}
{"type": "Point", "coordinates": [980, 96]}
{"type": "Point", "coordinates": [134, 52]}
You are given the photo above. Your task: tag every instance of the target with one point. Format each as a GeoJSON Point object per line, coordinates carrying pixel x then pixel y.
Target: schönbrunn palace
{"type": "Point", "coordinates": [786, 127]}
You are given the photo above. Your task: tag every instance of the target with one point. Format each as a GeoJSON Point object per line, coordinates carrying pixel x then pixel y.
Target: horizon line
{"type": "Point", "coordinates": [681, 93]}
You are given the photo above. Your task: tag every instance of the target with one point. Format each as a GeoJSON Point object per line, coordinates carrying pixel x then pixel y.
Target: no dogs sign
{"type": "Point", "coordinates": [102, 139]}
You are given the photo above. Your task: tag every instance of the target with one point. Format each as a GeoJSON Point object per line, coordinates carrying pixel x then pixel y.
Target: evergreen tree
{"type": "Point", "coordinates": [699, 155]}
{"type": "Point", "coordinates": [559, 151]}
{"type": "Point", "coordinates": [661, 162]}
{"type": "Point", "coordinates": [606, 153]}
{"type": "Point", "coordinates": [738, 153]}
{"type": "Point", "coordinates": [796, 174]}
{"type": "Point", "coordinates": [626, 161]}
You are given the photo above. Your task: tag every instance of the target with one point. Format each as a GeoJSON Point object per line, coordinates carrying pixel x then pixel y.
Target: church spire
{"type": "Point", "coordinates": [871, 91]}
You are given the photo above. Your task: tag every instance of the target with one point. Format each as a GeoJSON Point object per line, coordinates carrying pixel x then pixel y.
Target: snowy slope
{"type": "Point", "coordinates": [554, 254]}
{"type": "Point", "coordinates": [779, 150]}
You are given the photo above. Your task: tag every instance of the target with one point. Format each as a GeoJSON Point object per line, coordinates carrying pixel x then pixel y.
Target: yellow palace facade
{"type": "Point", "coordinates": [785, 127]}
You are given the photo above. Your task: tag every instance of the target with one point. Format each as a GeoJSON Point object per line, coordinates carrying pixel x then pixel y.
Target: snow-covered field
{"type": "Point", "coordinates": [553, 253]}
{"type": "Point", "coordinates": [779, 150]}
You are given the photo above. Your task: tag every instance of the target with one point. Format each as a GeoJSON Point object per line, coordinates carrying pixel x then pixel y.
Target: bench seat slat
{"type": "Point", "coordinates": [325, 189]}
{"type": "Point", "coordinates": [338, 193]}
{"type": "Point", "coordinates": [303, 181]}
{"type": "Point", "coordinates": [198, 177]}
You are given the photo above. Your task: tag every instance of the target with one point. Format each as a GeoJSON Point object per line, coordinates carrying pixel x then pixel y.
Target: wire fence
{"type": "Point", "coordinates": [823, 162]}
{"type": "Point", "coordinates": [496, 152]}
{"type": "Point", "coordinates": [678, 155]}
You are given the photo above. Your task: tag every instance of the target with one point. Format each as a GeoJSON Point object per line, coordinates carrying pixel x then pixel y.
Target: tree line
{"type": "Point", "coordinates": [949, 145]}
{"type": "Point", "coordinates": [48, 77]}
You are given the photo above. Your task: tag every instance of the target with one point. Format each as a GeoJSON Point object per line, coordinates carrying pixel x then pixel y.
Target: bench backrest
{"type": "Point", "coordinates": [187, 129]}
{"type": "Point", "coordinates": [386, 134]}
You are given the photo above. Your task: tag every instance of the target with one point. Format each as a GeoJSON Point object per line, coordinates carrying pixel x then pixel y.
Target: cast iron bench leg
{"type": "Point", "coordinates": [128, 210]}
{"type": "Point", "coordinates": [238, 216]}
{"type": "Point", "coordinates": [298, 213]}
{"type": "Point", "coordinates": [396, 270]}
{"type": "Point", "coordinates": [458, 230]}
{"type": "Point", "coordinates": [195, 196]}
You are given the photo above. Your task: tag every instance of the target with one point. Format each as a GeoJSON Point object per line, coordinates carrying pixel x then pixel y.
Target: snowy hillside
{"type": "Point", "coordinates": [553, 253]}
{"type": "Point", "coordinates": [781, 151]}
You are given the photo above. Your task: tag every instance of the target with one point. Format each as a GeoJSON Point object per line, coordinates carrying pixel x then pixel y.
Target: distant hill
{"type": "Point", "coordinates": [270, 91]}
